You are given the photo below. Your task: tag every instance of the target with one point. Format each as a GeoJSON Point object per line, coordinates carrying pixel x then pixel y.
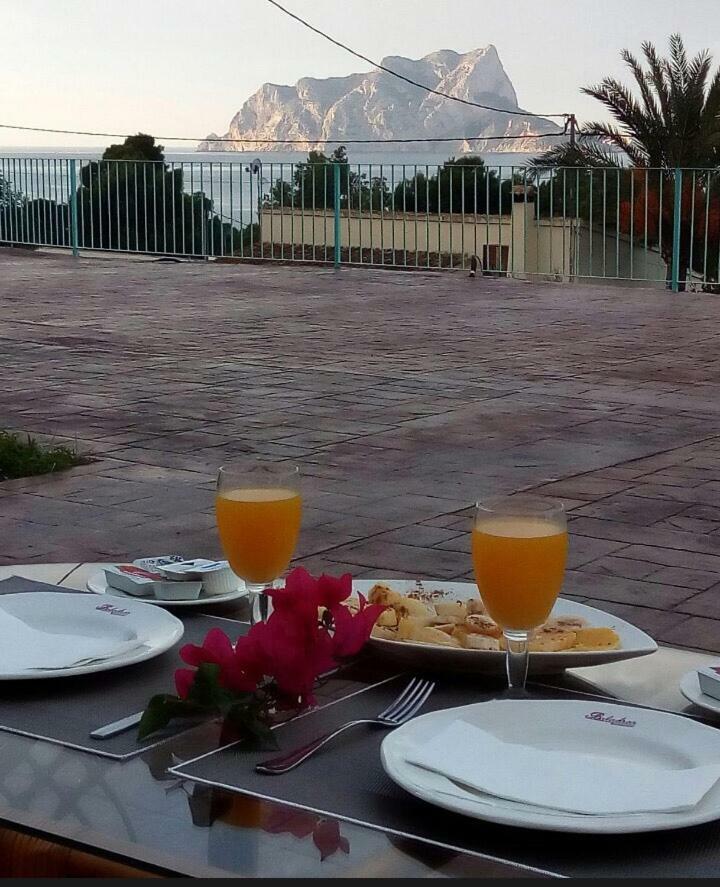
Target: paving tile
{"type": "Point", "coordinates": [588, 487]}
{"type": "Point", "coordinates": [684, 577]}
{"type": "Point", "coordinates": [705, 603]}
{"type": "Point", "coordinates": [633, 509]}
{"type": "Point", "coordinates": [412, 561]}
{"type": "Point", "coordinates": [624, 567]}
{"type": "Point", "coordinates": [624, 591]}
{"type": "Point", "coordinates": [657, 536]}
{"type": "Point", "coordinates": [694, 631]}
{"type": "Point", "coordinates": [673, 557]}
{"type": "Point", "coordinates": [420, 536]}
{"type": "Point", "coordinates": [584, 550]}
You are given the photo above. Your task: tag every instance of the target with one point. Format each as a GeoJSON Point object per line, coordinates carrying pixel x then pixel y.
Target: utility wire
{"type": "Point", "coordinates": [308, 141]}
{"type": "Point", "coordinates": [444, 95]}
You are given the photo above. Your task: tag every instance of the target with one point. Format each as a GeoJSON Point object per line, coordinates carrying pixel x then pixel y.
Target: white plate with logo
{"type": "Point", "coordinates": [97, 584]}
{"type": "Point", "coordinates": [633, 641]}
{"type": "Point", "coordinates": [625, 735]}
{"type": "Point", "coordinates": [56, 635]}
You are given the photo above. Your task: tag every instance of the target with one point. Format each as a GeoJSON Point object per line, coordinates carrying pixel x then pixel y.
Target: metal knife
{"type": "Point", "coordinates": [116, 727]}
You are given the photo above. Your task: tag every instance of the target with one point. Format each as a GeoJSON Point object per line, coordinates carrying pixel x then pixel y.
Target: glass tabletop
{"type": "Point", "coordinates": [134, 810]}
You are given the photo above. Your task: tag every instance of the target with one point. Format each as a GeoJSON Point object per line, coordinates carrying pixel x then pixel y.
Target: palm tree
{"type": "Point", "coordinates": [675, 121]}
{"type": "Point", "coordinates": [671, 120]}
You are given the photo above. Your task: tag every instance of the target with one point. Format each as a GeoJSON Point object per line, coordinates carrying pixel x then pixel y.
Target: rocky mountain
{"type": "Point", "coordinates": [377, 105]}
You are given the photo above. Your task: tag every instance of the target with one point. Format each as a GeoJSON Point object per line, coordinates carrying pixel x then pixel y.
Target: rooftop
{"type": "Point", "coordinates": [403, 396]}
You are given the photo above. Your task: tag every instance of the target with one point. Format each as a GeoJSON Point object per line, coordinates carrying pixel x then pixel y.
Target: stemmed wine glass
{"type": "Point", "coordinates": [519, 549]}
{"type": "Point", "coordinates": [258, 507]}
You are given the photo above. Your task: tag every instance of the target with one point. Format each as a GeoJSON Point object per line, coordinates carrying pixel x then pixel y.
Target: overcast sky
{"type": "Point", "coordinates": [183, 67]}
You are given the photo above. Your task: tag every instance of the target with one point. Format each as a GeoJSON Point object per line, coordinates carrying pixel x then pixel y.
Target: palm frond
{"type": "Point", "coordinates": [658, 77]}
{"type": "Point", "coordinates": [611, 135]}
{"type": "Point", "coordinates": [617, 99]}
{"type": "Point", "coordinates": [651, 106]}
{"type": "Point", "coordinates": [677, 64]}
{"type": "Point", "coordinates": [584, 152]}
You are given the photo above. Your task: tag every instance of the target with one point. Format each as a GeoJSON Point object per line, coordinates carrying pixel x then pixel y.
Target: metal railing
{"type": "Point", "coordinates": [562, 223]}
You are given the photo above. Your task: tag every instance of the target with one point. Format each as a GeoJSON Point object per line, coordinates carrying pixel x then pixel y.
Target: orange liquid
{"type": "Point", "coordinates": [258, 530]}
{"type": "Point", "coordinates": [519, 565]}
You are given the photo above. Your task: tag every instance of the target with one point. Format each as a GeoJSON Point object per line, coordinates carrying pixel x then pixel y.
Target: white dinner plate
{"type": "Point", "coordinates": [633, 641]}
{"type": "Point", "coordinates": [651, 738]}
{"type": "Point", "coordinates": [98, 585]}
{"type": "Point", "coordinates": [690, 689]}
{"type": "Point", "coordinates": [137, 632]}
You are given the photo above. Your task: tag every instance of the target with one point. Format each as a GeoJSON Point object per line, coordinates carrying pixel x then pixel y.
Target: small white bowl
{"type": "Point", "coordinates": [219, 580]}
{"type": "Point", "coordinates": [216, 576]}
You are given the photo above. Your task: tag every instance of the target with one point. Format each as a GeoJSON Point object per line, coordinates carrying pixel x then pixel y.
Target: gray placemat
{"type": "Point", "coordinates": [19, 584]}
{"type": "Point", "coordinates": [65, 710]}
{"type": "Point", "coordinates": [329, 784]}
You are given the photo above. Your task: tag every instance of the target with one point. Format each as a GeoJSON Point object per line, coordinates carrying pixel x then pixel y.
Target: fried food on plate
{"type": "Point", "coordinates": [437, 619]}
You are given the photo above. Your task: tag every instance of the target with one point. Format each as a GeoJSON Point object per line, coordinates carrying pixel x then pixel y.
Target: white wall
{"type": "Point", "coordinates": [557, 248]}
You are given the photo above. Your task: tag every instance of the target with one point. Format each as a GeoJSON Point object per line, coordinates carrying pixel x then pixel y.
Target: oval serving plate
{"type": "Point", "coordinates": [633, 641]}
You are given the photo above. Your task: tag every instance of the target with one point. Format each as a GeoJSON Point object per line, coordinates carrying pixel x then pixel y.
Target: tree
{"type": "Point", "coordinates": [131, 200]}
{"type": "Point", "coordinates": [139, 147]}
{"type": "Point", "coordinates": [12, 207]}
{"type": "Point", "coordinates": [25, 220]}
{"type": "Point", "coordinates": [672, 121]}
{"type": "Point", "coordinates": [675, 122]}
{"type": "Point", "coordinates": [312, 185]}
{"type": "Point", "coordinates": [461, 185]}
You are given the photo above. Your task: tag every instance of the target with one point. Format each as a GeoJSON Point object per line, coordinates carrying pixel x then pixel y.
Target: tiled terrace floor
{"type": "Point", "coordinates": [402, 396]}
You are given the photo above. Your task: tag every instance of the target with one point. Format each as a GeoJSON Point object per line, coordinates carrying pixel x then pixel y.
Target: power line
{"type": "Point", "coordinates": [308, 141]}
{"type": "Point", "coordinates": [422, 86]}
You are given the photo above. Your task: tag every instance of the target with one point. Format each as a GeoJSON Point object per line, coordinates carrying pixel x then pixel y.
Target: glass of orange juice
{"type": "Point", "coordinates": [258, 508]}
{"type": "Point", "coordinates": [519, 549]}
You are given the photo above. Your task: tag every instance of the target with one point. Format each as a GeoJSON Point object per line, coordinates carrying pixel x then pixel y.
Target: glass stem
{"type": "Point", "coordinates": [516, 659]}
{"type": "Point", "coordinates": [260, 603]}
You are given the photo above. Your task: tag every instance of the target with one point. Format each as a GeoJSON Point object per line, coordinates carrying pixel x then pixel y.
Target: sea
{"type": "Point", "coordinates": [227, 177]}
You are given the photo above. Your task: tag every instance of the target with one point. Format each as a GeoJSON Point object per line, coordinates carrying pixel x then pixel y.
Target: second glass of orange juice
{"type": "Point", "coordinates": [519, 549]}
{"type": "Point", "coordinates": [258, 507]}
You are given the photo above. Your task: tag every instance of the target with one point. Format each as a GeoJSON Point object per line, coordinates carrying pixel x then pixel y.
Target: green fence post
{"type": "Point", "coordinates": [677, 217]}
{"type": "Point", "coordinates": [336, 207]}
{"type": "Point", "coordinates": [72, 205]}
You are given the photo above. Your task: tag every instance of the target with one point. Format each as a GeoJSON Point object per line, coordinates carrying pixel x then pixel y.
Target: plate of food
{"type": "Point", "coordinates": [444, 625]}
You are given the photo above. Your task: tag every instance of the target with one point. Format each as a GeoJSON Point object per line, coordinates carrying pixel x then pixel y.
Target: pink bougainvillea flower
{"type": "Point", "coordinates": [289, 651]}
{"type": "Point", "coordinates": [353, 630]}
{"type": "Point", "coordinates": [299, 597]}
{"type": "Point", "coordinates": [218, 649]}
{"type": "Point", "coordinates": [296, 650]}
{"type": "Point", "coordinates": [184, 678]}
{"type": "Point", "coordinates": [332, 591]}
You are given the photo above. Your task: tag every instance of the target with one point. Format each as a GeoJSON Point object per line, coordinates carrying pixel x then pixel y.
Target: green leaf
{"type": "Point", "coordinates": [206, 690]}
{"type": "Point", "coordinates": [251, 728]}
{"type": "Point", "coordinates": [160, 711]}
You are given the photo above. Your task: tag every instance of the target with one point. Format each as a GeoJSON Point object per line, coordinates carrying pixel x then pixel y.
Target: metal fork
{"type": "Point", "coordinates": [407, 704]}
